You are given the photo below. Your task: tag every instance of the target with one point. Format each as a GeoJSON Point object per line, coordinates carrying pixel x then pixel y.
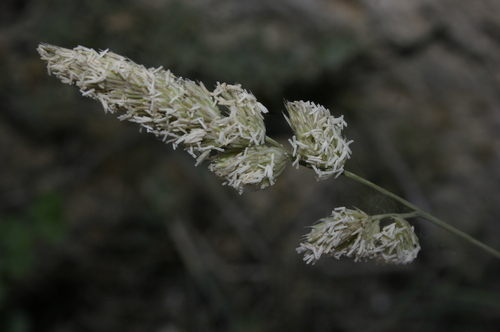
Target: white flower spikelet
{"type": "Point", "coordinates": [177, 110]}
{"type": "Point", "coordinates": [354, 234]}
{"type": "Point", "coordinates": [335, 235]}
{"type": "Point", "coordinates": [317, 142]}
{"type": "Point", "coordinates": [397, 243]}
{"type": "Point", "coordinates": [255, 167]}
{"type": "Point", "coordinates": [244, 110]}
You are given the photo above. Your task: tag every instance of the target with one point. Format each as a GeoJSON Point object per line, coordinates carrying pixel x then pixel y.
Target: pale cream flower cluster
{"type": "Point", "coordinates": [177, 110]}
{"type": "Point", "coordinates": [226, 127]}
{"type": "Point", "coordinates": [318, 141]}
{"type": "Point", "coordinates": [254, 167]}
{"type": "Point", "coordinates": [354, 234]}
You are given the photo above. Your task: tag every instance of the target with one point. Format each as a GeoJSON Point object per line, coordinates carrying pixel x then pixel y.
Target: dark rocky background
{"type": "Point", "coordinates": [106, 229]}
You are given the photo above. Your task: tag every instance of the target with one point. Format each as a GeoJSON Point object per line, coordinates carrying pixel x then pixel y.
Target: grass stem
{"type": "Point", "coordinates": [424, 214]}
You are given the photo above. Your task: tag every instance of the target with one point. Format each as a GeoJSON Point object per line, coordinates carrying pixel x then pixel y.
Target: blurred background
{"type": "Point", "coordinates": [103, 228]}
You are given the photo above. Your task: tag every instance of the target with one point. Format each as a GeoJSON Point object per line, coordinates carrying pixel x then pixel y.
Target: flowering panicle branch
{"type": "Point", "coordinates": [354, 234]}
{"type": "Point", "coordinates": [226, 127]}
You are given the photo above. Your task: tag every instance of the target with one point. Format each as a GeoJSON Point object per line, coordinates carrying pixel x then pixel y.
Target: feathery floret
{"type": "Point", "coordinates": [317, 142]}
{"type": "Point", "coordinates": [256, 167]}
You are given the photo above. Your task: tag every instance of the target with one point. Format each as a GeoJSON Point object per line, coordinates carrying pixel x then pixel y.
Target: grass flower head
{"type": "Point", "coordinates": [256, 167]}
{"type": "Point", "coordinates": [177, 110]}
{"type": "Point", "coordinates": [226, 127]}
{"type": "Point", "coordinates": [354, 234]}
{"type": "Point", "coordinates": [318, 141]}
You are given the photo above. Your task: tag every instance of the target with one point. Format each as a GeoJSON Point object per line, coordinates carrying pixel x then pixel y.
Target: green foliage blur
{"type": "Point", "coordinates": [42, 224]}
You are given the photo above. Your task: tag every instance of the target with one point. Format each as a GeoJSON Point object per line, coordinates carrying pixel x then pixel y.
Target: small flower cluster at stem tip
{"type": "Point", "coordinates": [354, 234]}
{"type": "Point", "coordinates": [226, 128]}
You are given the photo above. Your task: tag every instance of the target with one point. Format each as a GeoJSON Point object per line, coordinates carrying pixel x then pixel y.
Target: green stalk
{"type": "Point", "coordinates": [424, 214]}
{"type": "Point", "coordinates": [413, 214]}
